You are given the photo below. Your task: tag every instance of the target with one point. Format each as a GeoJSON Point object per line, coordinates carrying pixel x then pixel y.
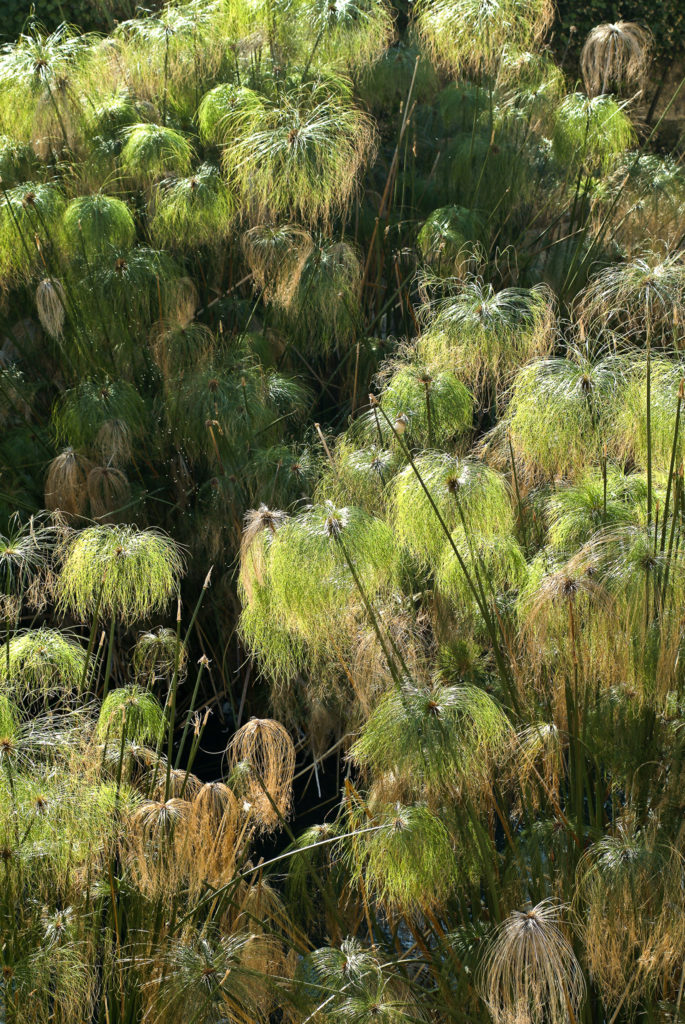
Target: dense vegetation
{"type": "Point", "coordinates": [341, 384]}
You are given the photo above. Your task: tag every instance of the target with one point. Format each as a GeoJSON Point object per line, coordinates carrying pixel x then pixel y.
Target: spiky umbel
{"type": "Point", "coordinates": [470, 35]}
{"type": "Point", "coordinates": [560, 414]}
{"type": "Point", "coordinates": [432, 740]}
{"type": "Point", "coordinates": [530, 972]}
{"type": "Point", "coordinates": [262, 759]}
{"type": "Point", "coordinates": [43, 666]}
{"type": "Point", "coordinates": [464, 490]}
{"type": "Point", "coordinates": [302, 153]}
{"type": "Point", "coordinates": [193, 211]}
{"type": "Point", "coordinates": [153, 151]}
{"type": "Point", "coordinates": [485, 335]}
{"type": "Point", "coordinates": [131, 711]}
{"type": "Point", "coordinates": [405, 858]}
{"type": "Point", "coordinates": [615, 55]}
{"type": "Point", "coordinates": [96, 222]}
{"type": "Point", "coordinates": [130, 573]}
{"type": "Point", "coordinates": [589, 134]}
{"type": "Point", "coordinates": [50, 303]}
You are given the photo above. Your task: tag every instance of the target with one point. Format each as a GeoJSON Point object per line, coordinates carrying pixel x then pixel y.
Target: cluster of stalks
{"type": "Point", "coordinates": [385, 322]}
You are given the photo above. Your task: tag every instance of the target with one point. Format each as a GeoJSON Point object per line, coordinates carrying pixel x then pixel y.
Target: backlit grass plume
{"type": "Point", "coordinates": [554, 602]}
{"type": "Point", "coordinates": [227, 109]}
{"type": "Point", "coordinates": [574, 513]}
{"type": "Point", "coordinates": [215, 411]}
{"type": "Point", "coordinates": [448, 238]}
{"type": "Point", "coordinates": [41, 78]}
{"type": "Point", "coordinates": [82, 412]}
{"type": "Point", "coordinates": [323, 310]}
{"type": "Point", "coordinates": [42, 666]}
{"type": "Point", "coordinates": [157, 653]}
{"type": "Point", "coordinates": [485, 335]}
{"type": "Point", "coordinates": [613, 55]}
{"type": "Point", "coordinates": [113, 442]}
{"type": "Point", "coordinates": [629, 433]}
{"type": "Point", "coordinates": [261, 756]}
{"type": "Point", "coordinates": [498, 562]}
{"type": "Point", "coordinates": [170, 56]}
{"type": "Point", "coordinates": [360, 989]}
{"type": "Point", "coordinates": [530, 973]}
{"type": "Point", "coordinates": [470, 35]}
{"type": "Point", "coordinates": [215, 806]}
{"type": "Point", "coordinates": [627, 561]}
{"type": "Point", "coordinates": [460, 488]}
{"type": "Point", "coordinates": [314, 560]}
{"type": "Point", "coordinates": [97, 221]}
{"type": "Point", "coordinates": [154, 151]}
{"type": "Point", "coordinates": [54, 977]}
{"type": "Point", "coordinates": [440, 740]}
{"type": "Point", "coordinates": [589, 134]}
{"type": "Point", "coordinates": [259, 530]}
{"type": "Point", "coordinates": [276, 254]}
{"type": "Point", "coordinates": [192, 211]}
{"type": "Point", "coordinates": [112, 111]}
{"type": "Point", "coordinates": [408, 863]}
{"type": "Point", "coordinates": [211, 974]}
{"type": "Point", "coordinates": [122, 291]}
{"type": "Point", "coordinates": [435, 406]}
{"type": "Point", "coordinates": [299, 154]}
{"type": "Point", "coordinates": [349, 967]}
{"type": "Point", "coordinates": [643, 298]}
{"type": "Point", "coordinates": [280, 655]}
{"type": "Point", "coordinates": [66, 483]}
{"type": "Point", "coordinates": [133, 712]}
{"type": "Point", "coordinates": [28, 211]}
{"type": "Point", "coordinates": [360, 475]}
{"type": "Point", "coordinates": [632, 911]}
{"type": "Point", "coordinates": [128, 573]}
{"type": "Point", "coordinates": [351, 34]}
{"type": "Point", "coordinates": [647, 192]}
{"type": "Point", "coordinates": [560, 413]}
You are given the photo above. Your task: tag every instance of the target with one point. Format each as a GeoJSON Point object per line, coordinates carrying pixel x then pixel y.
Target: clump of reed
{"type": "Point", "coordinates": [453, 610]}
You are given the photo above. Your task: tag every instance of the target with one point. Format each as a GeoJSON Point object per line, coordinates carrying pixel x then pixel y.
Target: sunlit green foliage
{"type": "Point", "coordinates": [576, 512]}
{"type": "Point", "coordinates": [464, 491]}
{"type": "Point", "coordinates": [42, 665]}
{"type": "Point", "coordinates": [434, 408]}
{"type": "Point", "coordinates": [124, 572]}
{"type": "Point", "coordinates": [590, 133]}
{"type": "Point", "coordinates": [496, 567]}
{"type": "Point", "coordinates": [485, 335]}
{"type": "Point", "coordinates": [29, 212]}
{"type": "Point", "coordinates": [152, 151]}
{"type": "Point", "coordinates": [381, 323]}
{"type": "Point", "coordinates": [444, 737]}
{"type": "Point", "coordinates": [313, 561]}
{"type": "Point", "coordinates": [407, 861]}
{"type": "Point", "coordinates": [99, 221]}
{"type": "Point", "coordinates": [299, 154]}
{"type": "Point", "coordinates": [132, 712]}
{"type": "Point", "coordinates": [193, 211]}
{"type": "Point", "coordinates": [561, 413]}
{"type": "Point", "coordinates": [469, 35]}
{"type": "Point", "coordinates": [448, 237]}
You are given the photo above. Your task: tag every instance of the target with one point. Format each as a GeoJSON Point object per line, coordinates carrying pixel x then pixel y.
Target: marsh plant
{"type": "Point", "coordinates": [342, 679]}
